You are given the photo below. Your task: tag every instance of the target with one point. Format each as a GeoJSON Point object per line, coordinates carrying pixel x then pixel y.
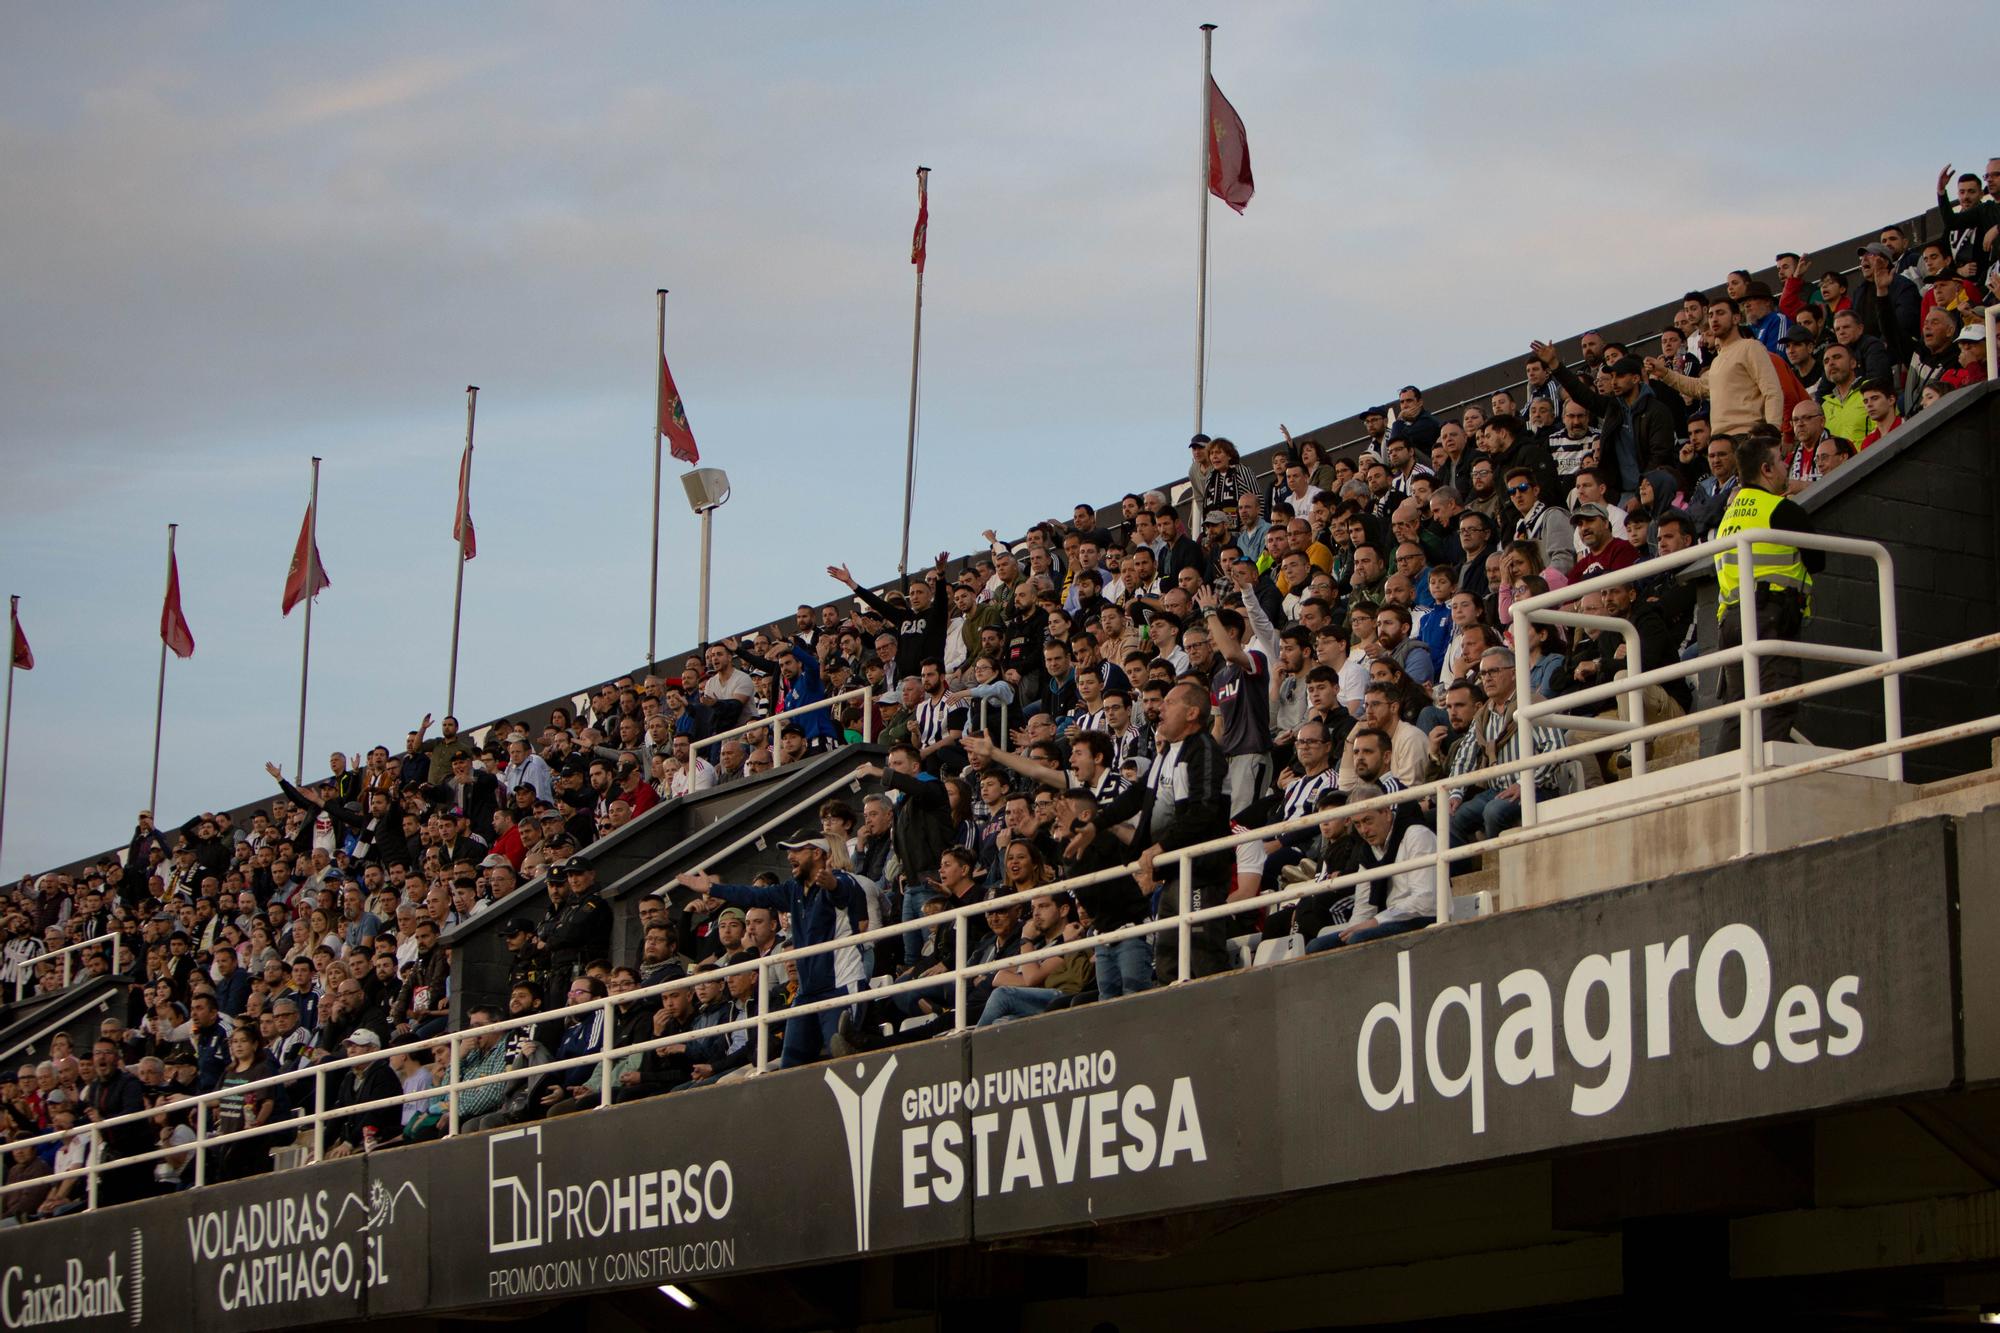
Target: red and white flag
{"type": "Point", "coordinates": [673, 424]}
{"type": "Point", "coordinates": [174, 631]}
{"type": "Point", "coordinates": [24, 656]}
{"type": "Point", "coordinates": [295, 577]}
{"type": "Point", "coordinates": [1228, 152]}
{"type": "Point", "coordinates": [461, 522]}
{"type": "Point", "coordinates": [920, 238]}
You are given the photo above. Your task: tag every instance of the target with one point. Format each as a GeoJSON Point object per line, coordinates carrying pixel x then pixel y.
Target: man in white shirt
{"type": "Point", "coordinates": [726, 685]}
{"type": "Point", "coordinates": [1403, 901]}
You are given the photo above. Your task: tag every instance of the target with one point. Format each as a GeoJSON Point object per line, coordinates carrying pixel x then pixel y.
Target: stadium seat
{"type": "Point", "coordinates": [1280, 949]}
{"type": "Point", "coordinates": [1242, 948]}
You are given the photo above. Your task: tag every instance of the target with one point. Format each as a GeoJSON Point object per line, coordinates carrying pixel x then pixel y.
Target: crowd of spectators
{"type": "Point", "coordinates": [1100, 692]}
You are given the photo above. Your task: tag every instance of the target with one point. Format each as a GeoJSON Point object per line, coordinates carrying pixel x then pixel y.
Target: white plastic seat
{"type": "Point", "coordinates": [1278, 950]}
{"type": "Point", "coordinates": [1242, 948]}
{"type": "Point", "coordinates": [1466, 906]}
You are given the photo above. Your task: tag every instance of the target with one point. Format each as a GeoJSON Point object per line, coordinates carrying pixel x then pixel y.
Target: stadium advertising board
{"type": "Point", "coordinates": [1801, 981]}
{"type": "Point", "coordinates": [1728, 995]}
{"type": "Point", "coordinates": [745, 1176]}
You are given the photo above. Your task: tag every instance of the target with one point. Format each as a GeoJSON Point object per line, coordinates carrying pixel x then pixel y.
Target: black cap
{"type": "Point", "coordinates": [517, 926]}
{"type": "Point", "coordinates": [1797, 334]}
{"type": "Point", "coordinates": [1625, 365]}
{"type": "Point", "coordinates": [1758, 291]}
{"type": "Point", "coordinates": [1367, 412]}
{"type": "Point", "coordinates": [575, 864]}
{"type": "Point", "coordinates": [1199, 440]}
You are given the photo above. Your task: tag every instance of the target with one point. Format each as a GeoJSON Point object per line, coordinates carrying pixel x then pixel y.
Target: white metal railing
{"type": "Point", "coordinates": [1992, 341]}
{"type": "Point", "coordinates": [775, 723]}
{"type": "Point", "coordinates": [67, 954]}
{"type": "Point", "coordinates": [1749, 653]}
{"type": "Point", "coordinates": [1175, 866]}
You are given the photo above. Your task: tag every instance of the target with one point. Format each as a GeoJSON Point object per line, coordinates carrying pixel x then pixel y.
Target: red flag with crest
{"type": "Point", "coordinates": [673, 419]}
{"type": "Point", "coordinates": [295, 577]}
{"type": "Point", "coordinates": [174, 631]}
{"type": "Point", "coordinates": [1228, 152]}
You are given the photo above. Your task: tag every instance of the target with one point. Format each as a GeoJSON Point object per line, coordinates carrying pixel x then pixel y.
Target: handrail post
{"type": "Point", "coordinates": [958, 951]}
{"type": "Point", "coordinates": [867, 719]}
{"type": "Point", "coordinates": [319, 1113]}
{"type": "Point", "coordinates": [67, 955]}
{"type": "Point", "coordinates": [1892, 683]}
{"type": "Point", "coordinates": [1442, 860]}
{"type": "Point", "coordinates": [604, 1044]}
{"type": "Point", "coordinates": [763, 1027]}
{"type": "Point", "coordinates": [1185, 928]}
{"type": "Point", "coordinates": [96, 1165]}
{"type": "Point", "coordinates": [1749, 718]}
{"type": "Point", "coordinates": [200, 1139]}
{"type": "Point", "coordinates": [1524, 697]}
{"type": "Point", "coordinates": [451, 1091]}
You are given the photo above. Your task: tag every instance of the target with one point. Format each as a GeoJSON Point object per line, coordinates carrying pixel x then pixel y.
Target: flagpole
{"type": "Point", "coordinates": [916, 353]}
{"type": "Point", "coordinates": [464, 526]}
{"type": "Point", "coordinates": [7, 727]}
{"type": "Point", "coordinates": [160, 694]}
{"type": "Point", "coordinates": [659, 388]}
{"type": "Point", "coordinates": [312, 587]}
{"type": "Point", "coordinates": [1201, 271]}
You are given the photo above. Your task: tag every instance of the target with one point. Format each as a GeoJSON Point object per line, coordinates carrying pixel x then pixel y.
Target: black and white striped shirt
{"type": "Point", "coordinates": [1302, 797]}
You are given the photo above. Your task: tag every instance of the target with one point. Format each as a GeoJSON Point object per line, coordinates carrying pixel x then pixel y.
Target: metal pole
{"type": "Point", "coordinates": [1749, 718]}
{"type": "Point", "coordinates": [7, 726]}
{"type": "Point", "coordinates": [451, 1095]}
{"type": "Point", "coordinates": [763, 1028]}
{"type": "Point", "coordinates": [160, 694]}
{"type": "Point", "coordinates": [1185, 928]}
{"type": "Point", "coordinates": [305, 653]}
{"type": "Point", "coordinates": [464, 525]}
{"type": "Point", "coordinates": [1201, 270]}
{"type": "Point", "coordinates": [659, 388]}
{"type": "Point", "coordinates": [910, 446]}
{"type": "Point", "coordinates": [707, 530]}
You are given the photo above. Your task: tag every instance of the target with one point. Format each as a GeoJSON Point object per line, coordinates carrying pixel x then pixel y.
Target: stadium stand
{"type": "Point", "coordinates": [1339, 605]}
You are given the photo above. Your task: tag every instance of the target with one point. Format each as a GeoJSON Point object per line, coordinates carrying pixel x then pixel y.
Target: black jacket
{"type": "Point", "coordinates": [921, 828]}
{"type": "Point", "coordinates": [1202, 814]}
{"type": "Point", "coordinates": [919, 634]}
{"type": "Point", "coordinates": [1652, 426]}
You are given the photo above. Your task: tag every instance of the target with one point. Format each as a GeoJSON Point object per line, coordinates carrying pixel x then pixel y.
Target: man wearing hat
{"type": "Point", "coordinates": [1801, 352]}
{"type": "Point", "coordinates": [1602, 552]}
{"type": "Point", "coordinates": [1971, 344]}
{"type": "Point", "coordinates": [825, 904]}
{"type": "Point", "coordinates": [1888, 306]}
{"type": "Point", "coordinates": [579, 929]}
{"type": "Point", "coordinates": [1637, 428]}
{"type": "Point", "coordinates": [368, 1081]}
{"type": "Point", "coordinates": [1761, 320]}
{"type": "Point", "coordinates": [529, 963]}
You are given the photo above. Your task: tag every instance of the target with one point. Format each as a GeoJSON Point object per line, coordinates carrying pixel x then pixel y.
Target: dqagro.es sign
{"type": "Point", "coordinates": [1733, 994]}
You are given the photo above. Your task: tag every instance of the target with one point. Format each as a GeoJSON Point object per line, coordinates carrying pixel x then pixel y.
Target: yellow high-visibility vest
{"type": "Point", "coordinates": [1771, 562]}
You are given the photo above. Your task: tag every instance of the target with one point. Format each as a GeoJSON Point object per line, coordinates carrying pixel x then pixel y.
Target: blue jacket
{"type": "Point", "coordinates": [807, 688]}
{"type": "Point", "coordinates": [818, 915]}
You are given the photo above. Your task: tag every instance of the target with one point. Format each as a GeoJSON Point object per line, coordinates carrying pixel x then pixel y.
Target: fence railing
{"type": "Point", "coordinates": [1748, 655]}
{"type": "Point", "coordinates": [68, 953]}
{"type": "Point", "coordinates": [775, 723]}
{"type": "Point", "coordinates": [1175, 869]}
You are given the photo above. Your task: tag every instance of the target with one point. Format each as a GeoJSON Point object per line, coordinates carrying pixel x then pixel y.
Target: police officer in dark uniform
{"type": "Point", "coordinates": [530, 965]}
{"type": "Point", "coordinates": [581, 929]}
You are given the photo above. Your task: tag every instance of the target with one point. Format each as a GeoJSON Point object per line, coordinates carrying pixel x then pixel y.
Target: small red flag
{"type": "Point", "coordinates": [174, 631]}
{"type": "Point", "coordinates": [295, 577]}
{"type": "Point", "coordinates": [673, 422]}
{"type": "Point", "coordinates": [920, 238]}
{"type": "Point", "coordinates": [1228, 152]}
{"type": "Point", "coordinates": [461, 523]}
{"type": "Point", "coordinates": [24, 656]}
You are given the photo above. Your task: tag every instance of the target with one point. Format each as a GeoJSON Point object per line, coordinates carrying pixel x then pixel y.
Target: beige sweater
{"type": "Point", "coordinates": [1742, 388]}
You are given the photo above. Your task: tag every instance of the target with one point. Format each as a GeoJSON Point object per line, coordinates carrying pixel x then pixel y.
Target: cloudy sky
{"type": "Point", "coordinates": [237, 235]}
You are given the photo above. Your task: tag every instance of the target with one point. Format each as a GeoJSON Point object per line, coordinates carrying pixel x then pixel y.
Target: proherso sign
{"type": "Point", "coordinates": [1789, 984]}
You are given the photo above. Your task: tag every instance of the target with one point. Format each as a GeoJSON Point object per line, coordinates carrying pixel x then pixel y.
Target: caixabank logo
{"type": "Point", "coordinates": [1012, 1129]}
{"type": "Point", "coordinates": [104, 1290]}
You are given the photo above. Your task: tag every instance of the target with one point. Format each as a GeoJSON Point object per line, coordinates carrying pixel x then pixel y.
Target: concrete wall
{"type": "Point", "coordinates": [1931, 494]}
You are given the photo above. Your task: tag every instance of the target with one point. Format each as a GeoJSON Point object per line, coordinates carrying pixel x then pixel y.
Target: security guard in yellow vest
{"type": "Point", "coordinates": [1784, 580]}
